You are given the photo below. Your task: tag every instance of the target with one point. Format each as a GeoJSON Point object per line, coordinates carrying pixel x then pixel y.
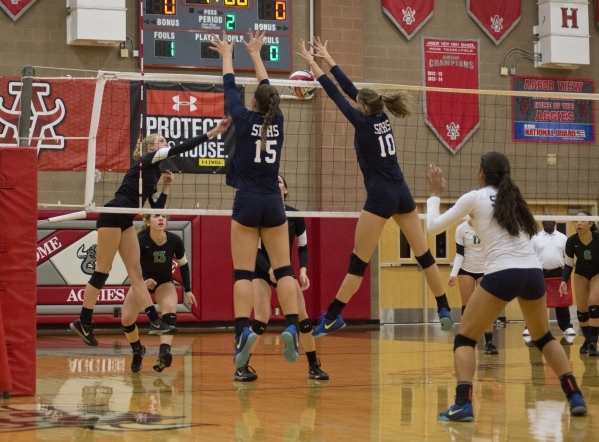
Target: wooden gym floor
{"type": "Point", "coordinates": [385, 385]}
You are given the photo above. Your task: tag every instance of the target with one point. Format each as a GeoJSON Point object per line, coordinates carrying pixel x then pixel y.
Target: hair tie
{"type": "Point", "coordinates": [380, 97]}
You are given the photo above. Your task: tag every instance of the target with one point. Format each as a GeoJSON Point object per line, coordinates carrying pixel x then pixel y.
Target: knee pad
{"type": "Point", "coordinates": [463, 341]}
{"type": "Point", "coordinates": [426, 260]}
{"type": "Point", "coordinates": [463, 308]}
{"type": "Point", "coordinates": [128, 328]}
{"type": "Point", "coordinates": [170, 319]}
{"type": "Point", "coordinates": [242, 275]}
{"type": "Point", "coordinates": [594, 311]}
{"type": "Point", "coordinates": [281, 272]}
{"type": "Point", "coordinates": [356, 266]}
{"type": "Point", "coordinates": [259, 327]}
{"type": "Point", "coordinates": [543, 341]}
{"type": "Point", "coordinates": [583, 317]}
{"type": "Point", "coordinates": [98, 280]}
{"type": "Point", "coordinates": [305, 326]}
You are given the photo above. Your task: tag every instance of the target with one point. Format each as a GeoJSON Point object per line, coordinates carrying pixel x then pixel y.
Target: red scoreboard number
{"type": "Point", "coordinates": [267, 9]}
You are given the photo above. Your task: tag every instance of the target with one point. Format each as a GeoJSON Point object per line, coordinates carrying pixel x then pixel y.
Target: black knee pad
{"type": "Point", "coordinates": [128, 328]}
{"type": "Point", "coordinates": [356, 266]}
{"type": "Point", "coordinates": [544, 341]}
{"type": "Point", "coordinates": [463, 341]}
{"type": "Point", "coordinates": [426, 260]}
{"type": "Point", "coordinates": [259, 327]}
{"type": "Point", "coordinates": [305, 326]}
{"type": "Point", "coordinates": [98, 280]}
{"type": "Point", "coordinates": [463, 308]}
{"type": "Point", "coordinates": [242, 275]}
{"type": "Point", "coordinates": [583, 317]}
{"type": "Point", "coordinates": [170, 319]}
{"type": "Point", "coordinates": [594, 311]}
{"type": "Point", "coordinates": [282, 272]}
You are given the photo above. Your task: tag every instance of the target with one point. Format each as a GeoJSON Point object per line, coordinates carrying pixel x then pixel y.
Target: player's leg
{"type": "Point", "coordinates": [276, 241]}
{"type": "Point", "coordinates": [244, 244]}
{"type": "Point", "coordinates": [166, 298]}
{"type": "Point", "coordinates": [411, 226]}
{"type": "Point", "coordinates": [107, 245]}
{"type": "Point", "coordinates": [305, 325]}
{"type": "Point", "coordinates": [582, 288]}
{"type": "Point", "coordinates": [131, 308]}
{"type": "Point", "coordinates": [129, 251]}
{"type": "Point", "coordinates": [366, 238]}
{"type": "Point", "coordinates": [535, 315]}
{"type": "Point", "coordinates": [593, 315]}
{"type": "Point", "coordinates": [467, 283]}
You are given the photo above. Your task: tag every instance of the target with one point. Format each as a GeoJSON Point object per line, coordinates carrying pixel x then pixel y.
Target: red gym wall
{"type": "Point", "coordinates": [330, 243]}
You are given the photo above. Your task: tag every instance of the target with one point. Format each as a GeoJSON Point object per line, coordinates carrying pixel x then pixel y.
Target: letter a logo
{"type": "Point", "coordinates": [15, 8]}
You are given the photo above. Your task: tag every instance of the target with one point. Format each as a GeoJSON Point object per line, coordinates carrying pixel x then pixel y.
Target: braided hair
{"type": "Point", "coordinates": [267, 99]}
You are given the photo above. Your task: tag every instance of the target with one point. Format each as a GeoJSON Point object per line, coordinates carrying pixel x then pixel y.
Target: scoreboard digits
{"type": "Point", "coordinates": [180, 31]}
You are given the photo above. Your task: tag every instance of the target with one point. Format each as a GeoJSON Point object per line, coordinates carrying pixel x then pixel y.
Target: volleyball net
{"type": "Point", "coordinates": [85, 130]}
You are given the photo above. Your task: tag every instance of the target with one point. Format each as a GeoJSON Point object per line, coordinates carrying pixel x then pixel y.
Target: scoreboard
{"type": "Point", "coordinates": [177, 33]}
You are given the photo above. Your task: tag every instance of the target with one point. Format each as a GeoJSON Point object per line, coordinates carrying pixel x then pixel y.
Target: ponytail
{"type": "Point", "coordinates": [141, 148]}
{"type": "Point", "coordinates": [267, 99]}
{"type": "Point", "coordinates": [273, 107]}
{"type": "Point", "coordinates": [398, 103]}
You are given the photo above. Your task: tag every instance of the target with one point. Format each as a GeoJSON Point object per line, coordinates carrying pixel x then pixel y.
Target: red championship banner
{"type": "Point", "coordinates": [497, 18]}
{"type": "Point", "coordinates": [61, 109]}
{"type": "Point", "coordinates": [409, 15]}
{"type": "Point", "coordinates": [453, 117]}
{"type": "Point", "coordinates": [15, 8]}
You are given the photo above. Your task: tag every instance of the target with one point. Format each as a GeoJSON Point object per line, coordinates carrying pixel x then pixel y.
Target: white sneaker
{"type": "Point", "coordinates": [570, 332]}
{"type": "Point", "coordinates": [525, 332]}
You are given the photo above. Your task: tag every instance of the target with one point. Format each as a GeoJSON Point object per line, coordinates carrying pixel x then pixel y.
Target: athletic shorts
{"type": "Point", "coordinates": [506, 285]}
{"type": "Point", "coordinates": [587, 275]}
{"type": "Point", "coordinates": [253, 209]}
{"type": "Point", "coordinates": [158, 283]}
{"type": "Point", "coordinates": [476, 276]}
{"type": "Point", "coordinates": [387, 202]}
{"type": "Point", "coordinates": [120, 220]}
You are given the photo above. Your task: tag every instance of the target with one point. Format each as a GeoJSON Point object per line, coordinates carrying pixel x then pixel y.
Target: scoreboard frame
{"type": "Point", "coordinates": [172, 38]}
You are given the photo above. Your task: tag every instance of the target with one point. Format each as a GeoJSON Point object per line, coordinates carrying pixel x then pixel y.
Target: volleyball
{"type": "Point", "coordinates": [299, 91]}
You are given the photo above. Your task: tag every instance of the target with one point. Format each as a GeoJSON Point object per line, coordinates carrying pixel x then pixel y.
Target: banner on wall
{"type": "Point", "coordinates": [16, 8]}
{"type": "Point", "coordinates": [409, 15]}
{"type": "Point", "coordinates": [554, 120]}
{"type": "Point", "coordinates": [496, 18]}
{"type": "Point", "coordinates": [597, 12]}
{"type": "Point", "coordinates": [453, 117]}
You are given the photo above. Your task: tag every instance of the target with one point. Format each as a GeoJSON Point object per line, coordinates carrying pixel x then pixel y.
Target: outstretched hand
{"type": "Point", "coordinates": [303, 52]}
{"type": "Point", "coordinates": [221, 46]}
{"type": "Point", "coordinates": [255, 43]}
{"type": "Point", "coordinates": [435, 179]}
{"type": "Point", "coordinates": [220, 128]}
{"type": "Point", "coordinates": [168, 177]}
{"type": "Point", "coordinates": [320, 51]}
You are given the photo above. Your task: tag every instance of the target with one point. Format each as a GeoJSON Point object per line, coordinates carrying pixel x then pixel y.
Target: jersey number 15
{"type": "Point", "coordinates": [273, 153]}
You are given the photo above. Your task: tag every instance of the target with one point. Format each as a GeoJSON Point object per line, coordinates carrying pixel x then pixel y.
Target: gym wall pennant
{"type": "Point", "coordinates": [497, 17]}
{"type": "Point", "coordinates": [409, 15]}
{"type": "Point", "coordinates": [15, 8]}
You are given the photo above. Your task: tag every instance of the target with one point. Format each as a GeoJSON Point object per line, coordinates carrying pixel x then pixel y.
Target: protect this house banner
{"type": "Point", "coordinates": [554, 120]}
{"type": "Point", "coordinates": [452, 116]}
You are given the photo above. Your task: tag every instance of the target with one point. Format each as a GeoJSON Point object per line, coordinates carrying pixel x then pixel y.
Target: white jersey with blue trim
{"type": "Point", "coordinates": [474, 252]}
{"type": "Point", "coordinates": [502, 250]}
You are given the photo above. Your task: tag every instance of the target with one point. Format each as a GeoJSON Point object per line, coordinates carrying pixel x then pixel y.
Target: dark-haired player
{"type": "Point", "coordinates": [258, 211]}
{"type": "Point", "coordinates": [116, 231]}
{"type": "Point", "coordinates": [584, 244]}
{"type": "Point", "coordinates": [388, 195]}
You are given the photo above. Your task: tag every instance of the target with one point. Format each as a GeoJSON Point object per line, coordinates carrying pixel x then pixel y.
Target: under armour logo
{"type": "Point", "coordinates": [497, 23]}
{"type": "Point", "coordinates": [409, 15]}
{"type": "Point", "coordinates": [179, 103]}
{"type": "Point", "coordinates": [453, 131]}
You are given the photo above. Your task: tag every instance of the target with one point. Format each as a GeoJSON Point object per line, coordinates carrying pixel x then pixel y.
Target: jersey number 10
{"type": "Point", "coordinates": [390, 145]}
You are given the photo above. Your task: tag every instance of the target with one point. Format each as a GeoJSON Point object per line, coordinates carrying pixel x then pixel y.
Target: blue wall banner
{"type": "Point", "coordinates": [554, 120]}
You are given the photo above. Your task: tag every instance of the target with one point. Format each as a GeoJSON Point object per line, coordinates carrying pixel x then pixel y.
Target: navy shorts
{"type": "Point", "coordinates": [463, 272]}
{"type": "Point", "coordinates": [120, 220]}
{"type": "Point", "coordinates": [528, 284]}
{"type": "Point", "coordinates": [387, 202]}
{"type": "Point", "coordinates": [253, 209]}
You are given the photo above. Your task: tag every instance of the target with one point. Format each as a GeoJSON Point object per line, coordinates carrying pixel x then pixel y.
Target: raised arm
{"type": "Point", "coordinates": [160, 202]}
{"type": "Point", "coordinates": [347, 86]}
{"type": "Point", "coordinates": [225, 50]}
{"type": "Point", "coordinates": [253, 47]}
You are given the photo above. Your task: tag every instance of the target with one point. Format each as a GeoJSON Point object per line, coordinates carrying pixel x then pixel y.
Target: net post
{"type": "Point", "coordinates": [91, 143]}
{"type": "Point", "coordinates": [25, 118]}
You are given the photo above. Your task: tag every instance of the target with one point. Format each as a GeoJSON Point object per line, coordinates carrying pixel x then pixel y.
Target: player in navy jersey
{"type": "Point", "coordinates": [258, 211]}
{"type": "Point", "coordinates": [264, 278]}
{"type": "Point", "coordinates": [504, 223]}
{"type": "Point", "coordinates": [388, 194]}
{"type": "Point", "coordinates": [116, 231]}
{"type": "Point", "coordinates": [584, 244]}
{"type": "Point", "coordinates": [157, 248]}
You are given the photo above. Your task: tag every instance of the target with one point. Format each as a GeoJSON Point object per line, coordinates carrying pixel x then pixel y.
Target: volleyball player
{"type": "Point", "coordinates": [584, 244]}
{"type": "Point", "coordinates": [388, 194]}
{"type": "Point", "coordinates": [157, 248]}
{"type": "Point", "coordinates": [503, 221]}
{"type": "Point", "coordinates": [258, 211]}
{"type": "Point", "coordinates": [116, 231]}
{"type": "Point", "coordinates": [264, 278]}
{"type": "Point", "coordinates": [468, 270]}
